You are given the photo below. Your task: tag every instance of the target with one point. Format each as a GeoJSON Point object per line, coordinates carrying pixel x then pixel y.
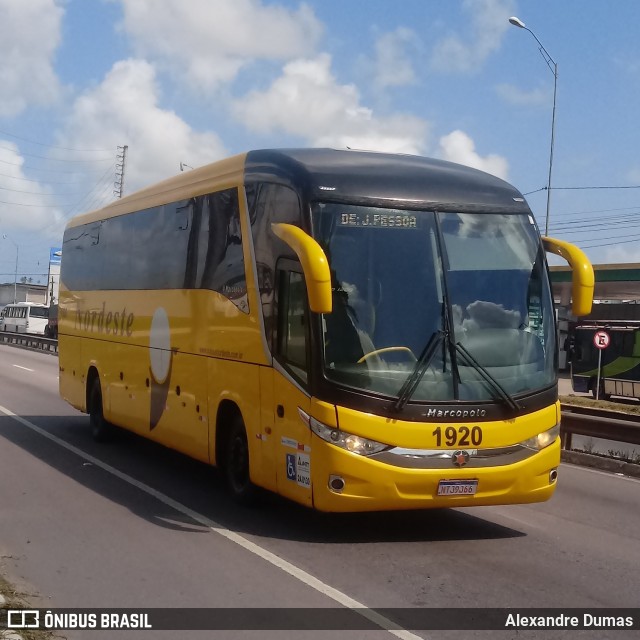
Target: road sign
{"type": "Point", "coordinates": [601, 339]}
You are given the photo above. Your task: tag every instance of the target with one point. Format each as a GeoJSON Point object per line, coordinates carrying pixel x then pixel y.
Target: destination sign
{"type": "Point", "coordinates": [379, 220]}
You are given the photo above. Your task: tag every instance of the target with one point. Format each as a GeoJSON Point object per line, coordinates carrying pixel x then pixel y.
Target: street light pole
{"type": "Point", "coordinates": [15, 279]}
{"type": "Point", "coordinates": [553, 66]}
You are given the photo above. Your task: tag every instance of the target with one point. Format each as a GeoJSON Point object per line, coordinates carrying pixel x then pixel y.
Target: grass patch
{"type": "Point", "coordinates": [612, 454]}
{"type": "Point", "coordinates": [16, 599]}
{"type": "Point", "coordinates": [584, 401]}
{"type": "Point", "coordinates": [633, 457]}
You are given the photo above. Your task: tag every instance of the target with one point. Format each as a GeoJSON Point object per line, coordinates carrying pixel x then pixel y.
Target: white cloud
{"type": "Point", "coordinates": [209, 41]}
{"type": "Point", "coordinates": [25, 205]}
{"type": "Point", "coordinates": [393, 65]}
{"type": "Point", "coordinates": [30, 33]}
{"type": "Point", "coordinates": [307, 101]}
{"type": "Point", "coordinates": [513, 95]}
{"type": "Point", "coordinates": [489, 21]}
{"type": "Point", "coordinates": [459, 147]}
{"type": "Point", "coordinates": [124, 110]}
{"type": "Point", "coordinates": [619, 253]}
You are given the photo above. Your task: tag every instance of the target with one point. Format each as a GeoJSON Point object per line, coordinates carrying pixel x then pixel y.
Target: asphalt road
{"type": "Point", "coordinates": [130, 524]}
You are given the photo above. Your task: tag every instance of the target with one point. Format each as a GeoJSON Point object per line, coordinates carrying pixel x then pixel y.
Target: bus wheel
{"type": "Point", "coordinates": [101, 430]}
{"type": "Point", "coordinates": [236, 465]}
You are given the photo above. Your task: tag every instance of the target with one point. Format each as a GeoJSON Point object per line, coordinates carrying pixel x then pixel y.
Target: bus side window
{"type": "Point", "coordinates": [292, 324]}
{"type": "Point", "coordinates": [268, 204]}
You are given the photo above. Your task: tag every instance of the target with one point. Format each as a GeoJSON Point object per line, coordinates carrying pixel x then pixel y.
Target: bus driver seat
{"type": "Point", "coordinates": [349, 328]}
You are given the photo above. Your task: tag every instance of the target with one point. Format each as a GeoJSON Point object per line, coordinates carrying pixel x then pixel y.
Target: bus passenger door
{"type": "Point", "coordinates": [291, 436]}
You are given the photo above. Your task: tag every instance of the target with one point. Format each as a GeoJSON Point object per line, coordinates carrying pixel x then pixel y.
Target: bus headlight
{"type": "Point", "coordinates": [354, 444]}
{"type": "Point", "coordinates": [542, 440]}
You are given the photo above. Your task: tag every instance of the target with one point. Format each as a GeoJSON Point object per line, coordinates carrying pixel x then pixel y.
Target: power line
{"type": "Point", "coordinates": [30, 168]}
{"type": "Point", "coordinates": [103, 183]}
{"type": "Point", "coordinates": [536, 191]}
{"type": "Point", "coordinates": [50, 146]}
{"type": "Point", "coordinates": [616, 237]}
{"type": "Point", "coordinates": [608, 244]}
{"type": "Point", "coordinates": [602, 222]}
{"type": "Point", "coordinates": [42, 206]}
{"type": "Point", "coordinates": [596, 227]}
{"type": "Point", "coordinates": [7, 175]}
{"type": "Point", "coordinates": [90, 197]}
{"type": "Point", "coordinates": [100, 199]}
{"type": "Point", "coordinates": [571, 213]}
{"type": "Point", "coordinates": [34, 193]}
{"type": "Point", "coordinates": [98, 193]}
{"type": "Point", "coordinates": [33, 155]}
{"type": "Point", "coordinates": [629, 186]}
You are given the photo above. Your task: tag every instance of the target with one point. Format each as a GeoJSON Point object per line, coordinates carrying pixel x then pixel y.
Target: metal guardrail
{"type": "Point", "coordinates": [596, 423]}
{"type": "Point", "coordinates": [584, 421]}
{"type": "Point", "coordinates": [29, 341]}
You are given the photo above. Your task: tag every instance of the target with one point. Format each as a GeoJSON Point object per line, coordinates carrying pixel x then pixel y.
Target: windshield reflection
{"type": "Point", "coordinates": [401, 277]}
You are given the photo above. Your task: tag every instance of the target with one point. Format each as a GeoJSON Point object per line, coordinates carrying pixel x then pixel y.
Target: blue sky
{"type": "Point", "coordinates": [193, 81]}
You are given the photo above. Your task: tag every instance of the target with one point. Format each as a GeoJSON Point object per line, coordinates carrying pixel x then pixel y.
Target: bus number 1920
{"type": "Point", "coordinates": [460, 437]}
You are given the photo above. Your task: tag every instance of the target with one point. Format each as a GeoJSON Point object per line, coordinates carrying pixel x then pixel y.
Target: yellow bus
{"type": "Point", "coordinates": [352, 330]}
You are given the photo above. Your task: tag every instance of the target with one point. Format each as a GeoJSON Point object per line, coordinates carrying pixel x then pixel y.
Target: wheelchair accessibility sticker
{"type": "Point", "coordinates": [291, 466]}
{"type": "Point", "coordinates": [299, 469]}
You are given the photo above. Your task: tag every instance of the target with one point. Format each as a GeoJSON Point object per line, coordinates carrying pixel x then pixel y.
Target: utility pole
{"type": "Point", "coordinates": [15, 279]}
{"type": "Point", "coordinates": [121, 161]}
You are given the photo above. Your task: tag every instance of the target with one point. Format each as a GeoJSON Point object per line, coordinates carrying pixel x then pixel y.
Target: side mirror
{"type": "Point", "coordinates": [314, 263]}
{"type": "Point", "coordinates": [583, 280]}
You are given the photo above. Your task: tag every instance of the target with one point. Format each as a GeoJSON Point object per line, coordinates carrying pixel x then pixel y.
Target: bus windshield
{"type": "Point", "coordinates": [472, 284]}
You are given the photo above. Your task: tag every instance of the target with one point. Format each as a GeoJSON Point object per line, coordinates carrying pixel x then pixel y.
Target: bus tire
{"type": "Point", "coordinates": [101, 430]}
{"type": "Point", "coordinates": [236, 464]}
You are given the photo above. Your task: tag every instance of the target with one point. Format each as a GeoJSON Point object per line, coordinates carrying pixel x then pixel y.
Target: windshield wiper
{"type": "Point", "coordinates": [410, 384]}
{"type": "Point", "coordinates": [488, 378]}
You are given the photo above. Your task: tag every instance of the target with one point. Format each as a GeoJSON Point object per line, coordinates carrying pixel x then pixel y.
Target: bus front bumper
{"type": "Point", "coordinates": [343, 481]}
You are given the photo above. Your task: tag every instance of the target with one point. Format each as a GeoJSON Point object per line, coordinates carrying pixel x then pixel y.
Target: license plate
{"type": "Point", "coordinates": [457, 487]}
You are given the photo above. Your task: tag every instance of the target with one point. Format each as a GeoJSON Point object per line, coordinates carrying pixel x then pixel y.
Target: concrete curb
{"type": "Point", "coordinates": [600, 462]}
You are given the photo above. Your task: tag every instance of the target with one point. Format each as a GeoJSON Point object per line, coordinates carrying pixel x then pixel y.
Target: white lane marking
{"type": "Point", "coordinates": [17, 366]}
{"type": "Point", "coordinates": [276, 561]}
{"type": "Point", "coordinates": [609, 474]}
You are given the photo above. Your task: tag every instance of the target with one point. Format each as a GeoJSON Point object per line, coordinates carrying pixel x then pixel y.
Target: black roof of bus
{"type": "Point", "coordinates": [402, 180]}
{"type": "Point", "coordinates": [345, 176]}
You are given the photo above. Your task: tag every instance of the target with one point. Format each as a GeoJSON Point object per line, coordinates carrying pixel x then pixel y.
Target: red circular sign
{"type": "Point", "coordinates": [601, 339]}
